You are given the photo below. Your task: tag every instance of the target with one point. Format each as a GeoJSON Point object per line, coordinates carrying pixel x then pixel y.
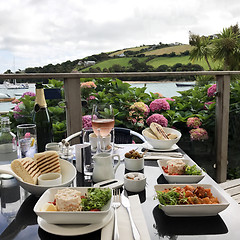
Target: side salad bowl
{"type": "Point", "coordinates": [181, 178]}
{"type": "Point", "coordinates": [70, 217]}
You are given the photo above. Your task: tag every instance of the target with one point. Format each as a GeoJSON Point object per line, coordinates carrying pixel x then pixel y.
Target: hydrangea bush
{"type": "Point", "coordinates": [133, 107]}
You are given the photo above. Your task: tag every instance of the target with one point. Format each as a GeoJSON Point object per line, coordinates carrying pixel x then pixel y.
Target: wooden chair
{"type": "Point", "coordinates": [232, 187]}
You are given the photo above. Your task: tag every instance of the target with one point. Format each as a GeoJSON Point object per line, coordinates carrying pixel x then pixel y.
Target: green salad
{"type": "Point", "coordinates": [192, 170]}
{"type": "Point", "coordinates": [95, 199]}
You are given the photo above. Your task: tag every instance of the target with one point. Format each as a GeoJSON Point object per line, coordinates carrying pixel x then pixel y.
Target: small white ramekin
{"type": "Point", "coordinates": [48, 179]}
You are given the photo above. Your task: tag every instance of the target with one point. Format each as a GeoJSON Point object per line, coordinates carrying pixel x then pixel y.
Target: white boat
{"type": "Point", "coordinates": [6, 97]}
{"type": "Point", "coordinates": [15, 85]}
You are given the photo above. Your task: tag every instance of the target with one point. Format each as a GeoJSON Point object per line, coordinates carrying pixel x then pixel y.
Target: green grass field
{"type": "Point", "coordinates": [127, 49]}
{"type": "Point", "coordinates": [124, 62]}
{"type": "Point", "coordinates": [167, 50]}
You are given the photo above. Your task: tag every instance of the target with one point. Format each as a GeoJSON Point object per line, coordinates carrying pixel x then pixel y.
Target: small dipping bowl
{"type": "Point", "coordinates": [134, 182]}
{"type": "Point", "coordinates": [133, 164]}
{"type": "Point", "coordinates": [48, 179]}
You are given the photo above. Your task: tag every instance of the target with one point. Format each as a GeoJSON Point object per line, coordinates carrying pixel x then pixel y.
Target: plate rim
{"type": "Point", "coordinates": [150, 147]}
{"type": "Point", "coordinates": [78, 230]}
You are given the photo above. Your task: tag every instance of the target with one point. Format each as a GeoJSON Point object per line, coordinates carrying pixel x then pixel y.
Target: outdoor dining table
{"type": "Point", "coordinates": [225, 225]}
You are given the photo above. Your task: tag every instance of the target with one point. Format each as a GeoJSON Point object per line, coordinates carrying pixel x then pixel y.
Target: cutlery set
{"type": "Point", "coordinates": [119, 200]}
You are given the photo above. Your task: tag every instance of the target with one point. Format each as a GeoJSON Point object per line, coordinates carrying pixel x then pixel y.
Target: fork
{"type": "Point", "coordinates": [116, 204]}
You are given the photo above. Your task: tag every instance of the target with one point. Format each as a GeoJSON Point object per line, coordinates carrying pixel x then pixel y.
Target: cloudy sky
{"type": "Point", "coordinates": [38, 32]}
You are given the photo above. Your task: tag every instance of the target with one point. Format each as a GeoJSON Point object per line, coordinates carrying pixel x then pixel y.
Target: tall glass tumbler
{"type": "Point", "coordinates": [27, 140]}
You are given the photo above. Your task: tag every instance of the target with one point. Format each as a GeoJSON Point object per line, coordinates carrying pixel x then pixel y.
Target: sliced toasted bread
{"type": "Point", "coordinates": [149, 133]}
{"type": "Point", "coordinates": [48, 161]}
{"type": "Point", "coordinates": [27, 169]}
{"type": "Point", "coordinates": [158, 131]}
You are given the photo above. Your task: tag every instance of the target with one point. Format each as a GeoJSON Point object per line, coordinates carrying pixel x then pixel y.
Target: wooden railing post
{"type": "Point", "coordinates": [222, 122]}
{"type": "Point", "coordinates": [73, 106]}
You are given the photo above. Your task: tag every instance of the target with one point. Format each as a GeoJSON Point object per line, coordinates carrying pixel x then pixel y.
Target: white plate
{"type": "Point", "coordinates": [150, 147]}
{"type": "Point", "coordinates": [75, 229]}
{"type": "Point", "coordinates": [71, 217]}
{"type": "Point", "coordinates": [196, 210]}
{"type": "Point", "coordinates": [180, 178]}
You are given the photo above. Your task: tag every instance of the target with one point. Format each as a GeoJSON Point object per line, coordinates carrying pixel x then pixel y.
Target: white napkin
{"type": "Point", "coordinates": [124, 226]}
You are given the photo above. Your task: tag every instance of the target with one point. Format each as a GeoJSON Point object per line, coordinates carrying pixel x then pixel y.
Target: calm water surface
{"type": "Point", "coordinates": [167, 89]}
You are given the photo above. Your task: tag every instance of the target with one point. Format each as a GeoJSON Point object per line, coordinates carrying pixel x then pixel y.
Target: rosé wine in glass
{"type": "Point", "coordinates": [104, 125]}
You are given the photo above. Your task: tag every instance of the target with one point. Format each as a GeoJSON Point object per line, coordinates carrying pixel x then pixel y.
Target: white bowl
{"type": "Point", "coordinates": [163, 144]}
{"type": "Point", "coordinates": [133, 185]}
{"type": "Point", "coordinates": [195, 210]}
{"type": "Point", "coordinates": [133, 164]}
{"type": "Point", "coordinates": [68, 172]}
{"type": "Point", "coordinates": [71, 217]}
{"type": "Point", "coordinates": [181, 178]}
{"type": "Point", "coordinates": [49, 179]}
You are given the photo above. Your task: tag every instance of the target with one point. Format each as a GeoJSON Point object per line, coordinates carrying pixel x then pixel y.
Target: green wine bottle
{"type": "Point", "coordinates": [42, 119]}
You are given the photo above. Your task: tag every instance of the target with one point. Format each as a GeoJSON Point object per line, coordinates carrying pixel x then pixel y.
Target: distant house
{"type": "Point", "coordinates": [86, 63]}
{"type": "Point", "coordinates": [120, 55]}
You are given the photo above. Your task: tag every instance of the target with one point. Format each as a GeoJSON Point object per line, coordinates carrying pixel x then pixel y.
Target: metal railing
{"type": "Point", "coordinates": [74, 108]}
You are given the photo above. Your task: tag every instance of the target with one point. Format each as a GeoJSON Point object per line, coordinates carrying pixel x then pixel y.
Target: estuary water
{"type": "Point", "coordinates": [167, 89]}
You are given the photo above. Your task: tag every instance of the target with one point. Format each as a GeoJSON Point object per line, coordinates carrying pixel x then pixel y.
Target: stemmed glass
{"type": "Point", "coordinates": [102, 123]}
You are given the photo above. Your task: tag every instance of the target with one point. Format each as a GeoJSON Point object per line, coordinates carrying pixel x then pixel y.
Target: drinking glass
{"type": "Point", "coordinates": [27, 146]}
{"type": "Point", "coordinates": [102, 123]}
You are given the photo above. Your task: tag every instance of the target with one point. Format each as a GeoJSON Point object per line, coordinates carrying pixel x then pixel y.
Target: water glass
{"type": "Point", "coordinates": [27, 136]}
{"type": "Point", "coordinates": [10, 197]}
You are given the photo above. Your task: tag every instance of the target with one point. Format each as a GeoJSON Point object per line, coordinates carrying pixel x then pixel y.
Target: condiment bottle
{"type": "Point", "coordinates": [8, 145]}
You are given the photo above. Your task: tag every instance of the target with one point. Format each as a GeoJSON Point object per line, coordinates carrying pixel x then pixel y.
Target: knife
{"type": "Point", "coordinates": [126, 204]}
{"type": "Point", "coordinates": [156, 155]}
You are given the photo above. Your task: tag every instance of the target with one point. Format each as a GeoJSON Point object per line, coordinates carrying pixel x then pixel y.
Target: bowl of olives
{"type": "Point", "coordinates": [134, 160]}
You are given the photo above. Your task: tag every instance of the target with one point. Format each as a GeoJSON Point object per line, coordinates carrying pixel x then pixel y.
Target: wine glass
{"type": "Point", "coordinates": [102, 123]}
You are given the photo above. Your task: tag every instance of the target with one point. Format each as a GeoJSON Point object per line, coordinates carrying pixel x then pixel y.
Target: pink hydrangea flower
{"type": "Point", "coordinates": [18, 108]}
{"type": "Point", "coordinates": [91, 98]}
{"type": "Point", "coordinates": [88, 85]}
{"type": "Point", "coordinates": [158, 118]}
{"type": "Point", "coordinates": [31, 94]}
{"type": "Point", "coordinates": [194, 122]}
{"type": "Point", "coordinates": [159, 104]}
{"type": "Point", "coordinates": [198, 134]}
{"type": "Point", "coordinates": [212, 90]}
{"type": "Point", "coordinates": [87, 120]}
{"type": "Point", "coordinates": [207, 104]}
{"type": "Point", "coordinates": [142, 107]}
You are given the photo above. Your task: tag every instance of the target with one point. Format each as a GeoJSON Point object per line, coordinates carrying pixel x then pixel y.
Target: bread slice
{"type": "Point", "coordinates": [158, 131]}
{"type": "Point", "coordinates": [48, 161]}
{"type": "Point", "coordinates": [149, 133]}
{"type": "Point", "coordinates": [27, 169]}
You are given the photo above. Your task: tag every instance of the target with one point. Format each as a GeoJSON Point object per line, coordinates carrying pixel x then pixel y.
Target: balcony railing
{"type": "Point", "coordinates": [74, 108]}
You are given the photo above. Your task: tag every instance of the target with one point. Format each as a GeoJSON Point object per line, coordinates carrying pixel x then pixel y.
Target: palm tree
{"type": "Point", "coordinates": [202, 48]}
{"type": "Point", "coordinates": [227, 48]}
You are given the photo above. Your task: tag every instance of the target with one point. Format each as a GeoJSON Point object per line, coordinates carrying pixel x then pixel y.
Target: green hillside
{"type": "Point", "coordinates": [167, 50]}
{"type": "Point", "coordinates": [123, 62]}
{"type": "Point", "coordinates": [115, 53]}
{"type": "Point", "coordinates": [170, 61]}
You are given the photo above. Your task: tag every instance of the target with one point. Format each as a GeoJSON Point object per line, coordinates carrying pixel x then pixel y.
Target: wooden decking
{"type": "Point", "coordinates": [232, 187]}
